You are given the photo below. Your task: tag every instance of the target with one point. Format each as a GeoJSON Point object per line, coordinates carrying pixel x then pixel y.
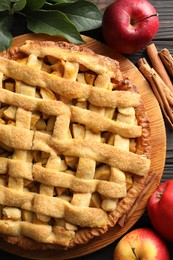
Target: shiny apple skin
{"type": "Point", "coordinates": [120, 34]}
{"type": "Point", "coordinates": [160, 209]}
{"type": "Point", "coordinates": [146, 244]}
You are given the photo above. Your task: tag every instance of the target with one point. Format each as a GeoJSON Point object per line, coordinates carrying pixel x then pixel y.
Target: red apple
{"type": "Point", "coordinates": [160, 209]}
{"type": "Point", "coordinates": [141, 243]}
{"type": "Point", "coordinates": [129, 25]}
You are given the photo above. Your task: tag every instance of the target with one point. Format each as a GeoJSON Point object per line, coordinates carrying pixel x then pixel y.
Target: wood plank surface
{"type": "Point", "coordinates": [158, 154]}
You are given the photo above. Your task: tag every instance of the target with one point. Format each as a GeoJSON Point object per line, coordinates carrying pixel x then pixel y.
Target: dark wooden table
{"type": "Point", "coordinates": [164, 38]}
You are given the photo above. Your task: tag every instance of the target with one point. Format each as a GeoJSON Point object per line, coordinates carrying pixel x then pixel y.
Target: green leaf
{"type": "Point", "coordinates": [35, 4]}
{"type": "Point", "coordinates": [17, 5]}
{"type": "Point", "coordinates": [5, 5]}
{"type": "Point", "coordinates": [5, 35]}
{"type": "Point", "coordinates": [53, 23]}
{"type": "Point", "coordinates": [55, 4]}
{"type": "Point", "coordinates": [83, 14]}
{"type": "Point", "coordinates": [63, 1]}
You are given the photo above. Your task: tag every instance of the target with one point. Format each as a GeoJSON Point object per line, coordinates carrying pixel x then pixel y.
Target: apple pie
{"type": "Point", "coordinates": [74, 145]}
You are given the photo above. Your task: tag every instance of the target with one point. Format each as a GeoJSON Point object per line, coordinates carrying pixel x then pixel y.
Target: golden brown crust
{"type": "Point", "coordinates": [73, 109]}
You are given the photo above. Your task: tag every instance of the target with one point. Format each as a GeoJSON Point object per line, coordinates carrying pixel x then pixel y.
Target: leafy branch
{"type": "Point", "coordinates": [65, 18]}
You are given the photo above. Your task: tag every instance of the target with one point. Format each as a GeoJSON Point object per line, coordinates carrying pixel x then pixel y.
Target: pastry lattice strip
{"type": "Point", "coordinates": [86, 166]}
{"type": "Point", "coordinates": [85, 117]}
{"type": "Point", "coordinates": [23, 119]}
{"type": "Point", "coordinates": [98, 151]}
{"type": "Point", "coordinates": [124, 115]}
{"type": "Point", "coordinates": [54, 177]}
{"type": "Point", "coordinates": [67, 88]}
{"type": "Point", "coordinates": [98, 63]}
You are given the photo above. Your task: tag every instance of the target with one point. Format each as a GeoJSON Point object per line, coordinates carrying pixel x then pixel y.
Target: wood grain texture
{"type": "Point", "coordinates": [157, 156]}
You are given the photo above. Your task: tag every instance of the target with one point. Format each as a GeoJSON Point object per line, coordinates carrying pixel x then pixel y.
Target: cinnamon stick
{"type": "Point", "coordinates": [167, 60]}
{"type": "Point", "coordinates": [158, 65]}
{"type": "Point", "coordinates": [155, 79]}
{"type": "Point", "coordinates": [163, 94]}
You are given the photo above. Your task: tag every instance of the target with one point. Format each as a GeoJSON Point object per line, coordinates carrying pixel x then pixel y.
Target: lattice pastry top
{"type": "Point", "coordinates": [74, 144]}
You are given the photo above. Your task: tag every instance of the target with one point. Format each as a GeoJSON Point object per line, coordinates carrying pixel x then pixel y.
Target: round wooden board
{"type": "Point", "coordinates": [158, 142]}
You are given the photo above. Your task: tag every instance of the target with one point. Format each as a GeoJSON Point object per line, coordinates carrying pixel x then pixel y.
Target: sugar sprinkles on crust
{"type": "Point", "coordinates": [75, 145]}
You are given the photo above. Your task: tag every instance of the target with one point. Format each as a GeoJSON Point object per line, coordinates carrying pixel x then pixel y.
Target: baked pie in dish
{"type": "Point", "coordinates": [74, 145]}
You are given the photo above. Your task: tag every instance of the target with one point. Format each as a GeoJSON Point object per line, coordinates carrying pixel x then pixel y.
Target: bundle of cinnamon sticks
{"type": "Point", "coordinates": [160, 75]}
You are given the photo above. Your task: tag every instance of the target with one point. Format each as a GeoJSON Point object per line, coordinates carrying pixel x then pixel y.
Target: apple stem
{"type": "Point", "coordinates": [160, 193]}
{"type": "Point", "coordinates": [149, 16]}
{"type": "Point", "coordinates": [134, 252]}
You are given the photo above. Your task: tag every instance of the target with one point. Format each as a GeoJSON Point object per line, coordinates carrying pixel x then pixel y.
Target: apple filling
{"type": "Point", "coordinates": [74, 148]}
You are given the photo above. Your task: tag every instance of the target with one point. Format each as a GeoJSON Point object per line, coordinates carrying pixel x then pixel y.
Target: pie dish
{"type": "Point", "coordinates": [75, 145]}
